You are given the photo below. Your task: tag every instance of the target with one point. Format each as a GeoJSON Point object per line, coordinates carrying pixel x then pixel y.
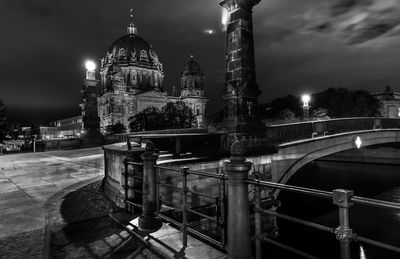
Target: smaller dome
{"type": "Point", "coordinates": [192, 68]}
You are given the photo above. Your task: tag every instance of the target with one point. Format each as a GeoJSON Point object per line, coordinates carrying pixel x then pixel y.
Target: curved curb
{"type": "Point", "coordinates": [46, 254]}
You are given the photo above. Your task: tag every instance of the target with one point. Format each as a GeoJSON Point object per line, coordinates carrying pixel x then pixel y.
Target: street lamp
{"type": "Point", "coordinates": [306, 108]}
{"type": "Point", "coordinates": [90, 65]}
{"type": "Point", "coordinates": [90, 70]}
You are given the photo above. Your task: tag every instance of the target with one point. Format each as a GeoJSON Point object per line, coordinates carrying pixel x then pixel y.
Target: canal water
{"type": "Point", "coordinates": [379, 181]}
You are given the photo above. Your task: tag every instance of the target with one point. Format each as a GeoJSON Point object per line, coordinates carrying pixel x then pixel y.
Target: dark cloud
{"type": "Point", "coordinates": [344, 6]}
{"type": "Point", "coordinates": [375, 25]}
{"type": "Point", "coordinates": [358, 21]}
{"type": "Point", "coordinates": [301, 45]}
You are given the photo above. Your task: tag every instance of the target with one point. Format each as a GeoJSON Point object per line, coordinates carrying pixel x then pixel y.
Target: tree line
{"type": "Point", "coordinates": [174, 115]}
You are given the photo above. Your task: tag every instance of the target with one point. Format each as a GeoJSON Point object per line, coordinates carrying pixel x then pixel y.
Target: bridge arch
{"type": "Point", "coordinates": [292, 156]}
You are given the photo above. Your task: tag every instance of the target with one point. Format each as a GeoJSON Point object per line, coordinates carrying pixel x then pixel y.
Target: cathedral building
{"type": "Point", "coordinates": [132, 79]}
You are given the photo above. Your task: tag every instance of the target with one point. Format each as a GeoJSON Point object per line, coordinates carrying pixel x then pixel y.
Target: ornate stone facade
{"type": "Point", "coordinates": [131, 79]}
{"type": "Point", "coordinates": [192, 91]}
{"type": "Point", "coordinates": [390, 103]}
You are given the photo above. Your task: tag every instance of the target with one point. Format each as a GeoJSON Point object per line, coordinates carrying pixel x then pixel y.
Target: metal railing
{"type": "Point", "coordinates": [344, 199]}
{"type": "Point", "coordinates": [186, 225]}
{"type": "Point", "coordinates": [235, 184]}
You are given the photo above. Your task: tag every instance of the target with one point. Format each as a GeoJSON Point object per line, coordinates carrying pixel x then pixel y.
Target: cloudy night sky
{"type": "Point", "coordinates": [301, 46]}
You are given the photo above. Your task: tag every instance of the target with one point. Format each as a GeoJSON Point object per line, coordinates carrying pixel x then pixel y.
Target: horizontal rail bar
{"type": "Point", "coordinates": [332, 230]}
{"type": "Point", "coordinates": [300, 221]}
{"type": "Point", "coordinates": [202, 215]}
{"type": "Point", "coordinates": [326, 194]}
{"type": "Point", "coordinates": [204, 195]}
{"type": "Point", "coordinates": [168, 219]}
{"type": "Point", "coordinates": [166, 168]}
{"type": "Point", "coordinates": [207, 174]}
{"type": "Point", "coordinates": [378, 244]}
{"type": "Point", "coordinates": [291, 188]}
{"type": "Point", "coordinates": [291, 249]}
{"type": "Point", "coordinates": [134, 163]}
{"type": "Point", "coordinates": [194, 232]}
{"type": "Point", "coordinates": [169, 186]}
{"type": "Point", "coordinates": [135, 204]}
{"type": "Point", "coordinates": [171, 204]}
{"type": "Point", "coordinates": [375, 203]}
{"type": "Point", "coordinates": [205, 237]}
{"type": "Point", "coordinates": [139, 237]}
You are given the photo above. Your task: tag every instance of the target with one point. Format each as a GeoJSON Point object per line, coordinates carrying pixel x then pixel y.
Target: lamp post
{"type": "Point", "coordinates": [90, 70]}
{"type": "Point", "coordinates": [90, 117]}
{"type": "Point", "coordinates": [306, 108]}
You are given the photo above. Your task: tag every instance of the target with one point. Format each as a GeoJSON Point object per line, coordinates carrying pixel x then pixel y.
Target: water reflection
{"type": "Point", "coordinates": [369, 180]}
{"type": "Point", "coordinates": [362, 253]}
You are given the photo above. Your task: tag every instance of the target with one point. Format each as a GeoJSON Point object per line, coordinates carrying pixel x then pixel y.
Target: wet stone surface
{"type": "Point", "coordinates": [81, 227]}
{"type": "Point", "coordinates": [22, 245]}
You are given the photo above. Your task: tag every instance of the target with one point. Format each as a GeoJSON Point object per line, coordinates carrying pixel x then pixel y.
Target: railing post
{"type": "Point", "coordinates": [184, 205]}
{"type": "Point", "coordinates": [238, 204]}
{"type": "Point", "coordinates": [148, 221]}
{"type": "Point", "coordinates": [257, 219]}
{"type": "Point", "coordinates": [342, 198]}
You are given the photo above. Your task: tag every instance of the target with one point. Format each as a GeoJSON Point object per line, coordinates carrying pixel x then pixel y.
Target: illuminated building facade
{"type": "Point", "coordinates": [390, 103]}
{"type": "Point", "coordinates": [132, 79]}
{"type": "Point", "coordinates": [69, 127]}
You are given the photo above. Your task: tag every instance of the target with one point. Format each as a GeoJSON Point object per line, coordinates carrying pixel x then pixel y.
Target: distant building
{"type": "Point", "coordinates": [47, 132]}
{"type": "Point", "coordinates": [39, 132]}
{"type": "Point", "coordinates": [132, 78]}
{"type": "Point", "coordinates": [69, 127]}
{"type": "Point", "coordinates": [390, 103]}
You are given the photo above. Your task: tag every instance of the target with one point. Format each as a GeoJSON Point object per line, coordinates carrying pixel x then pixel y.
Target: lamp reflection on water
{"type": "Point", "coordinates": [362, 253]}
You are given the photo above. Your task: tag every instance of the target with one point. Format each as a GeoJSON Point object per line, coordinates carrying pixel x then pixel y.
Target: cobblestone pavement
{"type": "Point", "coordinates": [80, 226]}
{"type": "Point", "coordinates": [26, 181]}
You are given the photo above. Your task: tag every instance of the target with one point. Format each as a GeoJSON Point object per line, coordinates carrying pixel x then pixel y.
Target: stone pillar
{"type": "Point", "coordinates": [90, 117]}
{"type": "Point", "coordinates": [238, 204]}
{"type": "Point", "coordinates": [148, 221]}
{"type": "Point", "coordinates": [241, 90]}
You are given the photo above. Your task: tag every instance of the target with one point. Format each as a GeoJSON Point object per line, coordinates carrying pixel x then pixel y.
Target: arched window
{"type": "Point", "coordinates": [133, 77]}
{"type": "Point", "coordinates": [143, 55]}
{"type": "Point", "coordinates": [121, 53]}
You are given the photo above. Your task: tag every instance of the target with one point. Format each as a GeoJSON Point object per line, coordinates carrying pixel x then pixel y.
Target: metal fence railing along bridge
{"type": "Point", "coordinates": [227, 211]}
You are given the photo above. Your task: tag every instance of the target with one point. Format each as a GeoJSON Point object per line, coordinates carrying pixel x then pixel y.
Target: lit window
{"type": "Point", "coordinates": [143, 55]}
{"type": "Point", "coordinates": [398, 114]}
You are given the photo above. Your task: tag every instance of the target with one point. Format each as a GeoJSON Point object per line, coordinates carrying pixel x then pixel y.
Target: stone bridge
{"type": "Point", "coordinates": [294, 155]}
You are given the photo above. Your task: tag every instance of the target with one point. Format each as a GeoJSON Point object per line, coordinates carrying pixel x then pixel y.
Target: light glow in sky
{"type": "Point", "coordinates": [224, 18]}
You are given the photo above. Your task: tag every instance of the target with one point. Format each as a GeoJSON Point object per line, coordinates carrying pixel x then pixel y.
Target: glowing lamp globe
{"type": "Point", "coordinates": [305, 98]}
{"type": "Point", "coordinates": [90, 65]}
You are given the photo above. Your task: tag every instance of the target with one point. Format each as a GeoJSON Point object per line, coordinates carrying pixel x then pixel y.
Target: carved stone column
{"type": "Point", "coordinates": [241, 89]}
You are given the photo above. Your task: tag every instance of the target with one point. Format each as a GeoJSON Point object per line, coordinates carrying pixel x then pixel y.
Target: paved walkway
{"type": "Point", "coordinates": [28, 180]}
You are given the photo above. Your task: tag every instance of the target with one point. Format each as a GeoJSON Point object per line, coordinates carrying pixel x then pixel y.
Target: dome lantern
{"type": "Point", "coordinates": [131, 27]}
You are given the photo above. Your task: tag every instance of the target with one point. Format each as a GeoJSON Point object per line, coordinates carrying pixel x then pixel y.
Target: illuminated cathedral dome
{"type": "Point", "coordinates": [192, 79]}
{"type": "Point", "coordinates": [192, 68]}
{"type": "Point", "coordinates": [134, 50]}
{"type": "Point", "coordinates": [131, 65]}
